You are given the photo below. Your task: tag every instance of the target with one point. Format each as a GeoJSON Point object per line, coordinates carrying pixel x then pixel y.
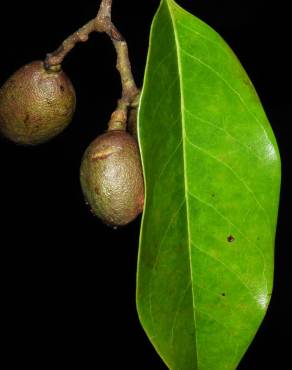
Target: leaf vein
{"type": "Point", "coordinates": [160, 63]}
{"type": "Point", "coordinates": [158, 251]}
{"type": "Point", "coordinates": [169, 160]}
{"type": "Point", "coordinates": [158, 105]}
{"type": "Point", "coordinates": [228, 85]}
{"type": "Point", "coordinates": [180, 302]}
{"type": "Point", "coordinates": [239, 230]}
{"type": "Point", "coordinates": [230, 332]}
{"type": "Point", "coordinates": [182, 25]}
{"type": "Point", "coordinates": [225, 131]}
{"type": "Point", "coordinates": [231, 170]}
{"type": "Point", "coordinates": [179, 66]}
{"type": "Point", "coordinates": [228, 269]}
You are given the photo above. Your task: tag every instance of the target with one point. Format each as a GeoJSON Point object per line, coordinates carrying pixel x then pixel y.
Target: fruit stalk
{"type": "Point", "coordinates": [103, 23]}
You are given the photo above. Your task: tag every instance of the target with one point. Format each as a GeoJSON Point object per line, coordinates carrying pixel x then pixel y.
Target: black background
{"type": "Point", "coordinates": [68, 281]}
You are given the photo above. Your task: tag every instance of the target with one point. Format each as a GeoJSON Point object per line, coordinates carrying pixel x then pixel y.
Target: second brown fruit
{"type": "Point", "coordinates": [111, 178]}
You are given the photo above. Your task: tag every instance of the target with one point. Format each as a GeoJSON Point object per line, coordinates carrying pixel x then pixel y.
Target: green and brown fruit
{"type": "Point", "coordinates": [111, 178]}
{"type": "Point", "coordinates": [36, 104]}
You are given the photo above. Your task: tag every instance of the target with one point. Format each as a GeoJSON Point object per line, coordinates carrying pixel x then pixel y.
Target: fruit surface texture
{"type": "Point", "coordinates": [111, 178]}
{"type": "Point", "coordinates": [36, 104]}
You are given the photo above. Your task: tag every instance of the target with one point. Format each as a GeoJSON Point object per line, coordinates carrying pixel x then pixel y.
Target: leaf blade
{"type": "Point", "coordinates": [196, 172]}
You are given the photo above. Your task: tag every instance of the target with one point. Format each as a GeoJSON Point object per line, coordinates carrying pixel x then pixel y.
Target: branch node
{"type": "Point", "coordinates": [102, 23]}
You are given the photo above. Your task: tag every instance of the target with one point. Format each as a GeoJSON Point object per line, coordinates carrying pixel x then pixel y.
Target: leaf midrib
{"type": "Point", "coordinates": [185, 139]}
{"type": "Point", "coordinates": [185, 169]}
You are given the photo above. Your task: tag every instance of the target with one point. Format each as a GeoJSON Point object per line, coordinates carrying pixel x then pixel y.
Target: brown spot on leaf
{"type": "Point", "coordinates": [230, 238]}
{"type": "Point", "coordinates": [62, 88]}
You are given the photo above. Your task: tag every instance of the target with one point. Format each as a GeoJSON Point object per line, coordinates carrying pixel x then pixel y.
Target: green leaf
{"type": "Point", "coordinates": [212, 176]}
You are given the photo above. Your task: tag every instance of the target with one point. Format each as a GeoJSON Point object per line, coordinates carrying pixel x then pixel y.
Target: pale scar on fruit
{"type": "Point", "coordinates": [105, 153]}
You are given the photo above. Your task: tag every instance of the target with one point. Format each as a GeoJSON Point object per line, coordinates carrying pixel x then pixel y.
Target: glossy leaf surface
{"type": "Point", "coordinates": [212, 176]}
